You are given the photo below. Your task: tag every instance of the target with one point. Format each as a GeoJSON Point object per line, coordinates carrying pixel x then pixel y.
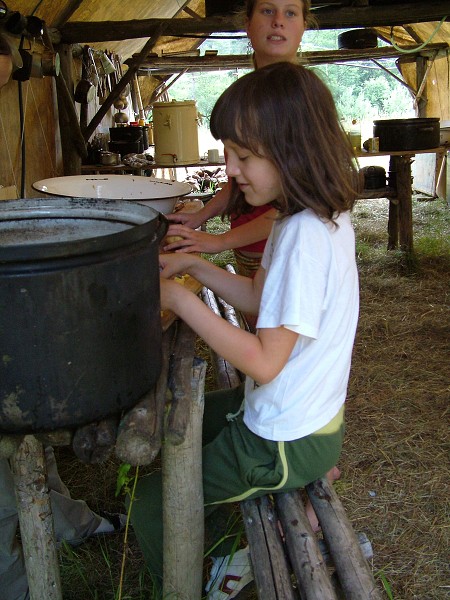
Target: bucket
{"type": "Point", "coordinates": [175, 130]}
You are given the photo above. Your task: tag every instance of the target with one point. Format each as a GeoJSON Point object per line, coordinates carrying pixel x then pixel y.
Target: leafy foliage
{"type": "Point", "coordinates": [361, 89]}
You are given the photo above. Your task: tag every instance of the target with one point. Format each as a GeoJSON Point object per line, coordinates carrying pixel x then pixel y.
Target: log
{"type": "Point", "coordinates": [364, 544]}
{"type": "Point", "coordinates": [271, 569]}
{"type": "Point", "coordinates": [352, 568]}
{"type": "Point", "coordinates": [329, 17]}
{"type": "Point", "coordinates": [179, 384]}
{"type": "Point", "coordinates": [94, 443]}
{"type": "Point", "coordinates": [183, 511]}
{"type": "Point", "coordinates": [303, 549]}
{"type": "Point", "coordinates": [36, 520]}
{"type": "Point", "coordinates": [141, 429]}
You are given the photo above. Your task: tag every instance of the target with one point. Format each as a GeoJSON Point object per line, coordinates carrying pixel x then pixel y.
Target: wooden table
{"type": "Point", "coordinates": [399, 193]}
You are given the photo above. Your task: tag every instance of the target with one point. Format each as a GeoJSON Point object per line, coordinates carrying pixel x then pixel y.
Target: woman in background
{"type": "Point", "coordinates": [275, 29]}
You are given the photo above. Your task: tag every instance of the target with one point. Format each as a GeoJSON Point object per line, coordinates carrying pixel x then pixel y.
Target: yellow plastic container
{"type": "Point", "coordinates": [175, 130]}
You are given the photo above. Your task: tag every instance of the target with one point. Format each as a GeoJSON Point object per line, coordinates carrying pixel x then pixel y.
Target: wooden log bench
{"type": "Point", "coordinates": [289, 560]}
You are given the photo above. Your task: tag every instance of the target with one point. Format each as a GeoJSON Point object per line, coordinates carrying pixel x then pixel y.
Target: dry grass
{"type": "Point", "coordinates": [394, 465]}
{"type": "Point", "coordinates": [395, 460]}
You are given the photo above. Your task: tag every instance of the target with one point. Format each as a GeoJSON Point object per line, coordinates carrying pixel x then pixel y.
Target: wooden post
{"type": "Point", "coordinates": [393, 207]}
{"type": "Point", "coordinates": [36, 520]}
{"type": "Point", "coordinates": [183, 511]}
{"type": "Point", "coordinates": [404, 196]}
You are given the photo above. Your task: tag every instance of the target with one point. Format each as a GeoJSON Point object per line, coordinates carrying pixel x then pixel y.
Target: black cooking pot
{"type": "Point", "coordinates": [357, 38]}
{"type": "Point", "coordinates": [374, 177]}
{"type": "Point", "coordinates": [80, 324]}
{"type": "Point", "coordinates": [407, 134]}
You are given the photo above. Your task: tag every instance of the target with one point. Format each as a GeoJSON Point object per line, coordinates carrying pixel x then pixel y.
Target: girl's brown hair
{"type": "Point", "coordinates": [285, 113]}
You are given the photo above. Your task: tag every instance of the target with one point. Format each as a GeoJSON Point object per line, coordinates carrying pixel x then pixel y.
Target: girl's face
{"type": "Point", "coordinates": [257, 178]}
{"type": "Point", "coordinates": [275, 30]}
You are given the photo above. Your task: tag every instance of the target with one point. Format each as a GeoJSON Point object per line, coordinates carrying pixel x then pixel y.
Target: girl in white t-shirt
{"type": "Point", "coordinates": [284, 147]}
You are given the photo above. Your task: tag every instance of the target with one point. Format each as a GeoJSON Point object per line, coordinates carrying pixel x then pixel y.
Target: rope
{"type": "Point", "coordinates": [423, 45]}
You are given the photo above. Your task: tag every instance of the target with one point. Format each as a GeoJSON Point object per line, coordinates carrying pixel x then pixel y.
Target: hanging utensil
{"type": "Point", "coordinates": [85, 89]}
{"type": "Point", "coordinates": [106, 63]}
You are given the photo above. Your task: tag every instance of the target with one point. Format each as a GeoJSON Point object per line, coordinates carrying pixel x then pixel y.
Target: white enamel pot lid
{"type": "Point", "coordinates": [113, 187]}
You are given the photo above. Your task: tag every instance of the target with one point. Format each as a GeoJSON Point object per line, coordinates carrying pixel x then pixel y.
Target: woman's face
{"type": "Point", "coordinates": [275, 30]}
{"type": "Point", "coordinates": [257, 178]}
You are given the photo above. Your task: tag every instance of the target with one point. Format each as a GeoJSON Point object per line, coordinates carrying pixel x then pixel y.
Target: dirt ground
{"type": "Point", "coordinates": [395, 462]}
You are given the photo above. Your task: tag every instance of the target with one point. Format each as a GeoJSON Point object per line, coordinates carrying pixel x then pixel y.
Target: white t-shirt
{"type": "Point", "coordinates": [311, 287]}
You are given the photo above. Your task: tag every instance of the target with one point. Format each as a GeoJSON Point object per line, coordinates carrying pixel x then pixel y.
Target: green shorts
{"type": "Point", "coordinates": [238, 464]}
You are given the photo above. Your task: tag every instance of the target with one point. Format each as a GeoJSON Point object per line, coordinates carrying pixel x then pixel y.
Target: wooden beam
{"type": "Point", "coordinates": [102, 31]}
{"type": "Point", "coordinates": [165, 65]}
{"type": "Point", "coordinates": [328, 17]}
{"type": "Point", "coordinates": [66, 12]}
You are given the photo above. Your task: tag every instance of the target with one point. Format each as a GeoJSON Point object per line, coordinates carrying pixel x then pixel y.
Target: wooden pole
{"type": "Point", "coordinates": [36, 520]}
{"type": "Point", "coordinates": [404, 196]}
{"type": "Point", "coordinates": [183, 511]}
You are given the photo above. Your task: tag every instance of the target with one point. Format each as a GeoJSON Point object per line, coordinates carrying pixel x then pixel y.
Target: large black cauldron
{"type": "Point", "coordinates": [80, 326]}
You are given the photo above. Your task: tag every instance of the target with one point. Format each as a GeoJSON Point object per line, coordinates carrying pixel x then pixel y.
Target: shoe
{"type": "Point", "coordinates": [117, 521]}
{"type": "Point", "coordinates": [110, 523]}
{"type": "Point", "coordinates": [229, 575]}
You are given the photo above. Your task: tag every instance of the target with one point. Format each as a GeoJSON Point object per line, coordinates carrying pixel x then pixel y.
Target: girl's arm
{"type": "Point", "coordinates": [198, 241]}
{"type": "Point", "coordinates": [241, 292]}
{"type": "Point", "coordinates": [216, 206]}
{"type": "Point", "coordinates": [261, 356]}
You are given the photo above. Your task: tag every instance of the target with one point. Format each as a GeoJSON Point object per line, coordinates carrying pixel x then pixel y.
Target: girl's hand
{"type": "Point", "coordinates": [193, 240]}
{"type": "Point", "coordinates": [175, 264]}
{"type": "Point", "coordinates": [171, 292]}
{"type": "Point", "coordinates": [191, 220]}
